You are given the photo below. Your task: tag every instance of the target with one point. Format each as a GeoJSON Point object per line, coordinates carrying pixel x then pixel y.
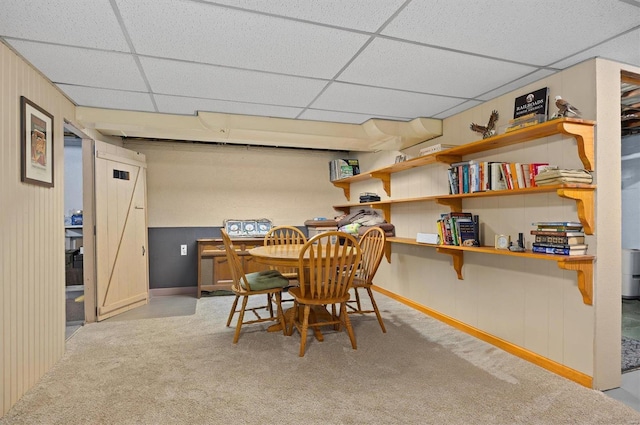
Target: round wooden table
{"type": "Point", "coordinates": [286, 256]}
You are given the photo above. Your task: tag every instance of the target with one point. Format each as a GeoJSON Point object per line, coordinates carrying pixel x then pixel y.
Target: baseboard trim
{"type": "Point", "coordinates": [179, 290]}
{"type": "Point", "coordinates": [516, 350]}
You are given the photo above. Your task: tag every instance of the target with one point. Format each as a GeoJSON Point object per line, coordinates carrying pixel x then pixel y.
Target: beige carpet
{"type": "Point", "coordinates": [185, 370]}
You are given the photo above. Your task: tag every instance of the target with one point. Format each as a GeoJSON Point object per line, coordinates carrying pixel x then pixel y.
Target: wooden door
{"type": "Point", "coordinates": [122, 279]}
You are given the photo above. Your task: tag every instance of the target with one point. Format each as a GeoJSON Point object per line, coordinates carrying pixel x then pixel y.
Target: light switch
{"type": "Point", "coordinates": [183, 250]}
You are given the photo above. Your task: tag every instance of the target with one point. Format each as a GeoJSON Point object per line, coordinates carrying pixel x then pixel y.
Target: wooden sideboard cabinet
{"type": "Point", "coordinates": [213, 249]}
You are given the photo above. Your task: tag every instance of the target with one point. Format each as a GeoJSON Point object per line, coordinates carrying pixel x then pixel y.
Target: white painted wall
{"type": "Point", "coordinates": [204, 184]}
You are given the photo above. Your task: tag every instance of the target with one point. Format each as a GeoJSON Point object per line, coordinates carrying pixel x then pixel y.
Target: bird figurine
{"type": "Point", "coordinates": [566, 109]}
{"type": "Point", "coordinates": [489, 129]}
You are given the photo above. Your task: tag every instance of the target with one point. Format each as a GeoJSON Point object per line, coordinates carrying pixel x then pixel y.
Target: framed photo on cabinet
{"type": "Point", "coordinates": [36, 144]}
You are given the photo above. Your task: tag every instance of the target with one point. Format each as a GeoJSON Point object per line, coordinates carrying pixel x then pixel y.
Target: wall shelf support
{"type": "Point", "coordinates": [584, 203]}
{"type": "Point", "coordinates": [584, 268]}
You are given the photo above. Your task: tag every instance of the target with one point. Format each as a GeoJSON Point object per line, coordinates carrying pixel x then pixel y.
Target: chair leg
{"type": "Point", "coordinates": [283, 324]}
{"type": "Point", "coordinates": [357, 299]}
{"type": "Point", "coordinates": [375, 308]}
{"type": "Point", "coordinates": [233, 310]}
{"type": "Point", "coordinates": [294, 317]}
{"type": "Point", "coordinates": [269, 305]}
{"type": "Point", "coordinates": [303, 331]}
{"type": "Point", "coordinates": [347, 324]}
{"type": "Point", "coordinates": [240, 319]}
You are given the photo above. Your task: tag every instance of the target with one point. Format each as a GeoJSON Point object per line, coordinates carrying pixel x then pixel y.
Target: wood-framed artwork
{"type": "Point", "coordinates": [36, 144]}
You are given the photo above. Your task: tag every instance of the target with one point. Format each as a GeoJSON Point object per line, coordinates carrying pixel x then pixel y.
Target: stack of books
{"type": "Point", "coordinates": [559, 237]}
{"type": "Point", "coordinates": [343, 168]}
{"type": "Point", "coordinates": [459, 228]}
{"type": "Point", "coordinates": [525, 121]}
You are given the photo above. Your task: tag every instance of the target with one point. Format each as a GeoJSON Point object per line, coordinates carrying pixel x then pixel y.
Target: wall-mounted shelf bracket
{"type": "Point", "coordinates": [584, 204]}
{"type": "Point", "coordinates": [585, 277]}
{"type": "Point", "coordinates": [346, 187]}
{"type": "Point", "coordinates": [455, 204]}
{"type": "Point", "coordinates": [458, 259]}
{"type": "Point", "coordinates": [386, 181]}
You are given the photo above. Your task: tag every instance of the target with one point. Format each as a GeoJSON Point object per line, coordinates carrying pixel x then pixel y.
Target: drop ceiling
{"type": "Point", "coordinates": [369, 67]}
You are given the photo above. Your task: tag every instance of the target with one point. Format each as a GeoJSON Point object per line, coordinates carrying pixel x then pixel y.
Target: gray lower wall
{"type": "Point", "coordinates": [169, 269]}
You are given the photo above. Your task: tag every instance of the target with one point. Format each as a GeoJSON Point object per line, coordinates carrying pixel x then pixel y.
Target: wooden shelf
{"type": "Point", "coordinates": [581, 193]}
{"type": "Point", "coordinates": [581, 130]}
{"type": "Point", "coordinates": [582, 264]}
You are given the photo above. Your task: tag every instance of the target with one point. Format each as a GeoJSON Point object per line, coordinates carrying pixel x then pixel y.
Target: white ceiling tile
{"type": "Point", "coordinates": [110, 99]}
{"type": "Point", "coordinates": [376, 101]}
{"type": "Point", "coordinates": [83, 67]}
{"type": "Point", "coordinates": [457, 109]}
{"type": "Point", "coordinates": [365, 15]}
{"type": "Point", "coordinates": [514, 85]}
{"type": "Point", "coordinates": [211, 34]}
{"type": "Point", "coordinates": [77, 23]}
{"type": "Point", "coordinates": [619, 49]}
{"type": "Point", "coordinates": [343, 117]}
{"type": "Point", "coordinates": [206, 81]}
{"type": "Point", "coordinates": [536, 32]}
{"type": "Point", "coordinates": [189, 106]}
{"type": "Point", "coordinates": [407, 66]}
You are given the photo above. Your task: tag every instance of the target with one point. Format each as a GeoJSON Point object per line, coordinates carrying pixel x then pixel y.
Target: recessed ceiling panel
{"type": "Point", "coordinates": [189, 106]}
{"type": "Point", "coordinates": [409, 66]}
{"type": "Point", "coordinates": [365, 15]}
{"type": "Point", "coordinates": [457, 109]}
{"type": "Point", "coordinates": [625, 48]}
{"type": "Point", "coordinates": [212, 82]}
{"type": "Point", "coordinates": [381, 102]}
{"type": "Point", "coordinates": [109, 99]}
{"type": "Point", "coordinates": [83, 67]}
{"type": "Point", "coordinates": [514, 85]}
{"type": "Point", "coordinates": [77, 23]}
{"type": "Point", "coordinates": [535, 32]}
{"type": "Point", "coordinates": [206, 33]}
{"type": "Point", "coordinates": [343, 117]}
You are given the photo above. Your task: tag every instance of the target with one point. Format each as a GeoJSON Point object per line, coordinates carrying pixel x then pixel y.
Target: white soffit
{"type": "Point", "coordinates": [551, 30]}
{"type": "Point", "coordinates": [424, 69]}
{"type": "Point", "coordinates": [176, 78]}
{"type": "Point", "coordinates": [83, 67]}
{"type": "Point", "coordinates": [243, 129]}
{"type": "Point", "coordinates": [365, 15]}
{"type": "Point", "coordinates": [237, 39]}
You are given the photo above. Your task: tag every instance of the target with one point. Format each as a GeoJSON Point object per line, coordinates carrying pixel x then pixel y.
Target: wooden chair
{"type": "Point", "coordinates": [285, 235]}
{"type": "Point", "coordinates": [329, 276]}
{"type": "Point", "coordinates": [244, 285]}
{"type": "Point", "coordinates": [372, 244]}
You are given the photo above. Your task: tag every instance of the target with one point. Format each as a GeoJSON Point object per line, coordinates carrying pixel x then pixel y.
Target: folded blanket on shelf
{"type": "Point", "coordinates": [389, 229]}
{"type": "Point", "coordinates": [554, 175]}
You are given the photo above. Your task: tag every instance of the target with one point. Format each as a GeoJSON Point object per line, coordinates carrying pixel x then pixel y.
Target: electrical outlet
{"type": "Point", "coordinates": [183, 250]}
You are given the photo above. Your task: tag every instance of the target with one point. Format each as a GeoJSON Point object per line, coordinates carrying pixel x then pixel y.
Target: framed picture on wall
{"type": "Point", "coordinates": [36, 144]}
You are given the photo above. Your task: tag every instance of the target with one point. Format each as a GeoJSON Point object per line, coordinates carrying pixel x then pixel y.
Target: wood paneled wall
{"type": "Point", "coordinates": [32, 276]}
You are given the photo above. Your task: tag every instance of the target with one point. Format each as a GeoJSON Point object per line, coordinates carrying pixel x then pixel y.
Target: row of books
{"type": "Point", "coordinates": [459, 228]}
{"type": "Point", "coordinates": [479, 176]}
{"type": "Point", "coordinates": [559, 237]}
{"type": "Point", "coordinates": [343, 168]}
